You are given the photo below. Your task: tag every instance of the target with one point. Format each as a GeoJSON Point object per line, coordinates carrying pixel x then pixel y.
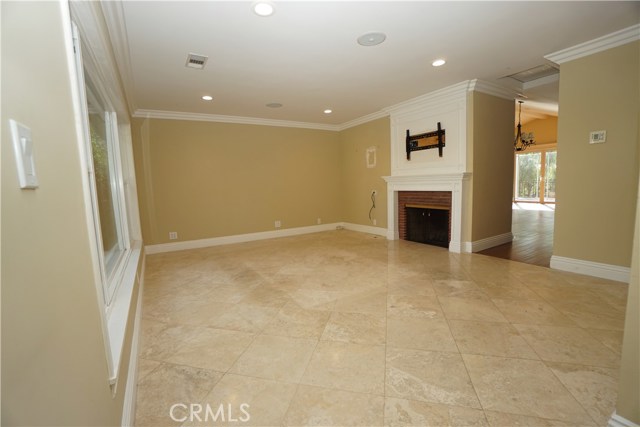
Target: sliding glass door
{"type": "Point", "coordinates": [550, 176]}
{"type": "Point", "coordinates": [535, 179]}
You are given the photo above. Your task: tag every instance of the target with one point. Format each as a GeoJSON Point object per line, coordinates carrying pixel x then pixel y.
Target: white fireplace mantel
{"type": "Point", "coordinates": [453, 182]}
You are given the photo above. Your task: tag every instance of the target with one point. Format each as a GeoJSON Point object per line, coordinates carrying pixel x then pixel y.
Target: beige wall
{"type": "Point", "coordinates": [545, 131]}
{"type": "Point", "coordinates": [596, 189]}
{"type": "Point", "coordinates": [54, 369]}
{"type": "Point", "coordinates": [206, 179]}
{"type": "Point", "coordinates": [491, 133]}
{"type": "Point", "coordinates": [628, 404]}
{"type": "Point", "coordinates": [358, 180]}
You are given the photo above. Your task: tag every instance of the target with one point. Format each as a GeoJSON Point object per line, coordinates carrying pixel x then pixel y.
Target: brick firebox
{"type": "Point", "coordinates": [427, 198]}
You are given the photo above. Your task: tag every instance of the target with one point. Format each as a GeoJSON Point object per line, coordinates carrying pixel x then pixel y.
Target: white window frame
{"type": "Point", "coordinates": [111, 263]}
{"type": "Point", "coordinates": [114, 291]}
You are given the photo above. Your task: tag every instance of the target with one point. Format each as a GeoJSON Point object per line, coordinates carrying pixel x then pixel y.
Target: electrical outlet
{"type": "Point", "coordinates": [173, 235]}
{"type": "Point", "coordinates": [278, 224]}
{"type": "Point", "coordinates": [319, 220]}
{"type": "Point", "coordinates": [374, 221]}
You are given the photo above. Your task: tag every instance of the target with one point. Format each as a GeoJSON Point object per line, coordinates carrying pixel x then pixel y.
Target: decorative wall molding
{"type": "Point", "coordinates": [590, 268]}
{"type": "Point", "coordinates": [491, 89]}
{"type": "Point", "coordinates": [618, 38]}
{"type": "Point", "coordinates": [427, 171]}
{"type": "Point", "coordinates": [177, 115]}
{"type": "Point", "coordinates": [262, 235]}
{"type": "Point", "coordinates": [447, 106]}
{"type": "Point", "coordinates": [490, 242]}
{"type": "Point", "coordinates": [433, 99]}
{"type": "Point", "coordinates": [427, 179]}
{"type": "Point", "coordinates": [618, 421]}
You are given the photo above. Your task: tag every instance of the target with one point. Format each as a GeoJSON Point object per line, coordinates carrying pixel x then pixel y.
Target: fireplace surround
{"type": "Point", "coordinates": [443, 190]}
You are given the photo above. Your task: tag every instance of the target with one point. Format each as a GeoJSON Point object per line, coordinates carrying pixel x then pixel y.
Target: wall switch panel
{"type": "Point", "coordinates": [23, 149]}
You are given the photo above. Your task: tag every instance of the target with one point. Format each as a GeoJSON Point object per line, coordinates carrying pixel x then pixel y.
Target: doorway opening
{"type": "Point", "coordinates": [532, 228]}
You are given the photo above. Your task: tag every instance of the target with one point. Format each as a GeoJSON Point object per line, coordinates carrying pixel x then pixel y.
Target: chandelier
{"type": "Point", "coordinates": [523, 140]}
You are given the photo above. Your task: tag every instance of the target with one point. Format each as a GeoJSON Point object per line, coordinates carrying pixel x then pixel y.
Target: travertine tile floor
{"type": "Point", "coordinates": [343, 328]}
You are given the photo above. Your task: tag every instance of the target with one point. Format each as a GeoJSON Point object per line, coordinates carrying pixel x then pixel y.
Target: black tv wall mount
{"type": "Point", "coordinates": [426, 141]}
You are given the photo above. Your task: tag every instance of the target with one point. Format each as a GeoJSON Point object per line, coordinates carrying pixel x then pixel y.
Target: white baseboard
{"type": "Point", "coordinates": [618, 421]}
{"type": "Point", "coordinates": [131, 389]}
{"type": "Point", "coordinates": [589, 268]}
{"type": "Point", "coordinates": [489, 242]}
{"type": "Point", "coordinates": [466, 247]}
{"type": "Point", "coordinates": [378, 231]}
{"type": "Point", "coordinates": [250, 237]}
{"type": "Point", "coordinates": [460, 247]}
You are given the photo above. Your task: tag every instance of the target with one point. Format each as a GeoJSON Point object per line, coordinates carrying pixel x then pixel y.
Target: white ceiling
{"type": "Point", "coordinates": [306, 57]}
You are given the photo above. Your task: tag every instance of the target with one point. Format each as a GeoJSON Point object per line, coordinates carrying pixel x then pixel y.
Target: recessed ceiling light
{"type": "Point", "coordinates": [263, 8]}
{"type": "Point", "coordinates": [328, 111]}
{"type": "Point", "coordinates": [207, 97]}
{"type": "Point", "coordinates": [371, 39]}
{"type": "Point", "coordinates": [274, 105]}
{"type": "Point", "coordinates": [438, 62]}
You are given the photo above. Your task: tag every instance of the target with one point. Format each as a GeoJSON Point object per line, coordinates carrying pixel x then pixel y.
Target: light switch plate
{"type": "Point", "coordinates": [23, 148]}
{"type": "Point", "coordinates": [597, 136]}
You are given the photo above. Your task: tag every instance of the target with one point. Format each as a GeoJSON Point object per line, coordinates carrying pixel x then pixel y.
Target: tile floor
{"type": "Point", "coordinates": [343, 328]}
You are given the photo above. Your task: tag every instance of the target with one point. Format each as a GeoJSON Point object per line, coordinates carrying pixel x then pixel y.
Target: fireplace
{"type": "Point", "coordinates": [444, 192]}
{"type": "Point", "coordinates": [425, 217]}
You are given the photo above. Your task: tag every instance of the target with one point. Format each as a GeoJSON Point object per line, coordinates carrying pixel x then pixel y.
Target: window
{"type": "Point", "coordinates": [104, 138]}
{"type": "Point", "coordinates": [107, 194]}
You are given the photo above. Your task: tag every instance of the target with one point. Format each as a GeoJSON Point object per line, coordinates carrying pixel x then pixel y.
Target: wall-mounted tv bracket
{"type": "Point", "coordinates": [425, 141]}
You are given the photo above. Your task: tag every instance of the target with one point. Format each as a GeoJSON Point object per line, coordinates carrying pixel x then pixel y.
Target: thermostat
{"type": "Point", "coordinates": [597, 137]}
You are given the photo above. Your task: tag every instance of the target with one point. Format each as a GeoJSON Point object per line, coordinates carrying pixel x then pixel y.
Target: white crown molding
{"type": "Point", "coordinates": [177, 115]}
{"type": "Point", "coordinates": [624, 36]}
{"type": "Point", "coordinates": [117, 29]}
{"type": "Point", "coordinates": [491, 89]}
{"type": "Point", "coordinates": [98, 56]}
{"type": "Point", "coordinates": [590, 268]}
{"type": "Point", "coordinates": [364, 119]}
{"type": "Point", "coordinates": [456, 92]}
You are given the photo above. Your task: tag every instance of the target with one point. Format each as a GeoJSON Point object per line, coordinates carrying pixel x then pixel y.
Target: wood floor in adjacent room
{"type": "Point", "coordinates": [348, 329]}
{"type": "Point", "coordinates": [532, 229]}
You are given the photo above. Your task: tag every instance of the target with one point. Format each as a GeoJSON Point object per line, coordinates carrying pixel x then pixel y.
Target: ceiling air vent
{"type": "Point", "coordinates": [196, 61]}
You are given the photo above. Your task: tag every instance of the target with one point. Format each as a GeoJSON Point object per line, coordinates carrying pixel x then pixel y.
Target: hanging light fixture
{"type": "Point", "coordinates": [523, 140]}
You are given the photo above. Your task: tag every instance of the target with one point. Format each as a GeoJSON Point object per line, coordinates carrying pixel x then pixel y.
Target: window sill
{"type": "Point", "coordinates": [120, 308]}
